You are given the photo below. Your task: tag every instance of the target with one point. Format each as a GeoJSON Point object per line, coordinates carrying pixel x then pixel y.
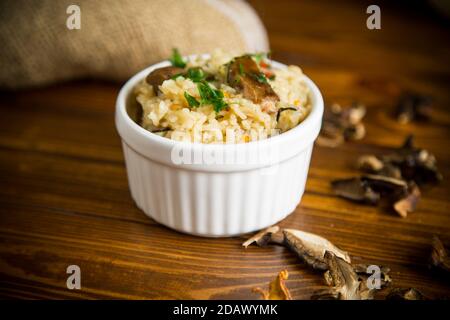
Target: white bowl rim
{"type": "Point", "coordinates": [312, 119]}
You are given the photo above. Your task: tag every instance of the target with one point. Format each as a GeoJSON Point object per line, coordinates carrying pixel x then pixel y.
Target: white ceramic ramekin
{"type": "Point", "coordinates": [216, 199]}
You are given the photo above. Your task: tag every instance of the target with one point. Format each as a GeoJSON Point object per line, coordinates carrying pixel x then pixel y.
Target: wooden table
{"type": "Point", "coordinates": [64, 195]}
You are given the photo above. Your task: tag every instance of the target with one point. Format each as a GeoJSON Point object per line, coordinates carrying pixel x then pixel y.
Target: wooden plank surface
{"type": "Point", "coordinates": [64, 195]}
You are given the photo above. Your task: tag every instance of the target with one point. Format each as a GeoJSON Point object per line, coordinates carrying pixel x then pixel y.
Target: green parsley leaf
{"type": "Point", "coordinates": [191, 100]}
{"type": "Point", "coordinates": [219, 105]}
{"type": "Point", "coordinates": [259, 56]}
{"type": "Point", "coordinates": [177, 60]}
{"type": "Point", "coordinates": [176, 76]}
{"type": "Point", "coordinates": [260, 77]}
{"type": "Point", "coordinates": [196, 74]}
{"type": "Point", "coordinates": [241, 69]}
{"type": "Point", "coordinates": [211, 96]}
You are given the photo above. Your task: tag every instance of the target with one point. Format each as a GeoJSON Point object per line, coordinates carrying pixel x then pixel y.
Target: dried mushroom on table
{"type": "Point", "coordinates": [344, 280]}
{"type": "Point", "coordinates": [413, 107]}
{"type": "Point", "coordinates": [393, 178]}
{"type": "Point", "coordinates": [342, 124]}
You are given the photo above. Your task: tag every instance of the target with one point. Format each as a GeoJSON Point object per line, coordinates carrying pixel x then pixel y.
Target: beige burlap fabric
{"type": "Point", "coordinates": [117, 37]}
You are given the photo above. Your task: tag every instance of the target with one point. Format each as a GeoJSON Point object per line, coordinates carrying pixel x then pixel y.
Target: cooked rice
{"type": "Point", "coordinates": [169, 115]}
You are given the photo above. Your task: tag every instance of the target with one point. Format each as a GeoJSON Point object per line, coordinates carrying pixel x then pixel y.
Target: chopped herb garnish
{"type": "Point", "coordinates": [177, 59]}
{"type": "Point", "coordinates": [176, 76]}
{"type": "Point", "coordinates": [260, 77]}
{"type": "Point", "coordinates": [211, 96]}
{"type": "Point", "coordinates": [196, 74]}
{"type": "Point", "coordinates": [284, 109]}
{"type": "Point", "coordinates": [260, 56]}
{"type": "Point", "coordinates": [241, 69]}
{"type": "Point", "coordinates": [191, 100]}
{"type": "Point", "coordinates": [272, 77]}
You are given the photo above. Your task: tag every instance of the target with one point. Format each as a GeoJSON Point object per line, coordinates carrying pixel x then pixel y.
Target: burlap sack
{"type": "Point", "coordinates": [117, 37]}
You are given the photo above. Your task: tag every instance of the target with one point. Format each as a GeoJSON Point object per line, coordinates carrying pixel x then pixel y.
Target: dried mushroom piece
{"type": "Point", "coordinates": [277, 288]}
{"type": "Point", "coordinates": [386, 185]}
{"type": "Point", "coordinates": [245, 75]}
{"type": "Point", "coordinates": [311, 248]}
{"type": "Point", "coordinates": [407, 163]}
{"type": "Point", "coordinates": [408, 203]}
{"type": "Point", "coordinates": [414, 163]}
{"type": "Point", "coordinates": [405, 294]}
{"type": "Point", "coordinates": [370, 163]}
{"type": "Point", "coordinates": [364, 274]}
{"type": "Point", "coordinates": [355, 189]}
{"type": "Point", "coordinates": [412, 107]}
{"type": "Point", "coordinates": [158, 76]}
{"type": "Point", "coordinates": [342, 278]}
{"type": "Point", "coordinates": [342, 124]}
{"type": "Point", "coordinates": [363, 270]}
{"type": "Point", "coordinates": [324, 140]}
{"type": "Point", "coordinates": [264, 237]}
{"type": "Point", "coordinates": [349, 282]}
{"type": "Point", "coordinates": [440, 257]}
{"type": "Point", "coordinates": [371, 189]}
{"type": "Point", "coordinates": [393, 177]}
{"type": "Point", "coordinates": [355, 132]}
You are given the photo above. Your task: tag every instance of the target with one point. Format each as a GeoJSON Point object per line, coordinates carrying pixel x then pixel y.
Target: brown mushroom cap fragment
{"type": "Point", "coordinates": [311, 248]}
{"type": "Point", "coordinates": [355, 132]}
{"type": "Point", "coordinates": [243, 73]}
{"type": "Point", "coordinates": [412, 106]}
{"type": "Point", "coordinates": [262, 238]}
{"type": "Point", "coordinates": [370, 163]}
{"type": "Point", "coordinates": [440, 257]}
{"type": "Point", "coordinates": [409, 202]}
{"type": "Point", "coordinates": [342, 124]}
{"type": "Point", "coordinates": [343, 279]}
{"type": "Point", "coordinates": [277, 288]}
{"type": "Point", "coordinates": [349, 282]}
{"type": "Point", "coordinates": [366, 292]}
{"type": "Point", "coordinates": [392, 187]}
{"type": "Point", "coordinates": [390, 170]}
{"type": "Point", "coordinates": [415, 164]}
{"type": "Point", "coordinates": [158, 76]}
{"type": "Point", "coordinates": [355, 189]}
{"type": "Point", "coordinates": [405, 294]}
{"type": "Point", "coordinates": [331, 135]}
{"type": "Point", "coordinates": [354, 114]}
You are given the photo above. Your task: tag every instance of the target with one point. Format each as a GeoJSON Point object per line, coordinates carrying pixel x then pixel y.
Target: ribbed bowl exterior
{"type": "Point", "coordinates": [216, 204]}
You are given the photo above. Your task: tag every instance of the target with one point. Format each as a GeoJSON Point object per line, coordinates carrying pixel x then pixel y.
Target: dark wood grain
{"type": "Point", "coordinates": [64, 195]}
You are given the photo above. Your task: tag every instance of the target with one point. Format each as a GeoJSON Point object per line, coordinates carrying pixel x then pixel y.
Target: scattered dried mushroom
{"type": "Point", "coordinates": [342, 124]}
{"type": "Point", "coordinates": [264, 237]}
{"type": "Point", "coordinates": [342, 279]}
{"type": "Point", "coordinates": [412, 107]}
{"type": "Point", "coordinates": [309, 247]}
{"type": "Point", "coordinates": [440, 257]}
{"type": "Point", "coordinates": [346, 281]}
{"type": "Point", "coordinates": [349, 282]}
{"type": "Point", "coordinates": [393, 177]}
{"type": "Point", "coordinates": [277, 288]}
{"type": "Point", "coordinates": [405, 294]}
